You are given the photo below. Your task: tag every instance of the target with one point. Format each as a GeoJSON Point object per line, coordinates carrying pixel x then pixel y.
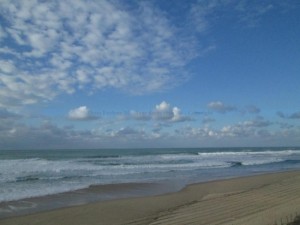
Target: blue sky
{"type": "Point", "coordinates": [124, 74]}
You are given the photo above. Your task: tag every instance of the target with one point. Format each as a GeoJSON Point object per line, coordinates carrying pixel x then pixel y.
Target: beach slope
{"type": "Point", "coordinates": [262, 199]}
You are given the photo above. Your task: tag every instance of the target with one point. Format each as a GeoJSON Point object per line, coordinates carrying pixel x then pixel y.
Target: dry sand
{"type": "Point", "coordinates": [263, 199]}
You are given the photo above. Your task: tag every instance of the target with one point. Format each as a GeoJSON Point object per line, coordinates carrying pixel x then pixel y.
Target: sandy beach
{"type": "Point", "coordinates": [262, 199]}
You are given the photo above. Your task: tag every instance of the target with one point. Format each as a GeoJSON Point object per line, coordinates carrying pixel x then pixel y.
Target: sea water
{"type": "Point", "coordinates": [31, 173]}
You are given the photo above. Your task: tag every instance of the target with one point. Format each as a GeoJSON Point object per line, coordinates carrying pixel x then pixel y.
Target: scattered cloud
{"type": "Point", "coordinates": [248, 128]}
{"type": "Point", "coordinates": [244, 129]}
{"type": "Point", "coordinates": [199, 13]}
{"type": "Point", "coordinates": [177, 117]}
{"type": "Point", "coordinates": [60, 47]}
{"type": "Point", "coordinates": [51, 48]}
{"type": "Point", "coordinates": [128, 132]}
{"type": "Point", "coordinates": [164, 112]}
{"type": "Point", "coordinates": [14, 135]}
{"type": "Point", "coordinates": [81, 113]}
{"type": "Point", "coordinates": [44, 136]}
{"type": "Point", "coordinates": [257, 122]}
{"type": "Point", "coordinates": [220, 107]}
{"type": "Point", "coordinates": [196, 132]}
{"type": "Point", "coordinates": [238, 130]}
{"type": "Point", "coordinates": [204, 14]}
{"type": "Point", "coordinates": [251, 14]}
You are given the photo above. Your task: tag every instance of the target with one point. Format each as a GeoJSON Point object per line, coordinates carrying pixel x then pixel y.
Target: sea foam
{"type": "Point", "coordinates": [42, 173]}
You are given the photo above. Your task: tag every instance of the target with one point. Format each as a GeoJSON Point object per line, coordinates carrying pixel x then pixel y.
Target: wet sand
{"type": "Point", "coordinates": [261, 199]}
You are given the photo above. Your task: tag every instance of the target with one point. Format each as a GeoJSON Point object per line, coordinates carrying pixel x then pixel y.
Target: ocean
{"type": "Point", "coordinates": [33, 173]}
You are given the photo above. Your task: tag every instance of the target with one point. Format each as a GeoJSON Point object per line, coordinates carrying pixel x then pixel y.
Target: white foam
{"type": "Point", "coordinates": [9, 192]}
{"type": "Point", "coordinates": [249, 158]}
{"type": "Point", "coordinates": [23, 178]}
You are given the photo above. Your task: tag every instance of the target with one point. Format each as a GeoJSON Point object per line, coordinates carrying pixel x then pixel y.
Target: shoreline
{"type": "Point", "coordinates": [84, 196]}
{"type": "Point", "coordinates": [103, 193]}
{"type": "Point", "coordinates": [145, 209]}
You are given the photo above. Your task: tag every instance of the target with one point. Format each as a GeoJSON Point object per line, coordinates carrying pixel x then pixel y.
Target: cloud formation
{"type": "Point", "coordinates": [17, 135]}
{"type": "Point", "coordinates": [67, 46]}
{"type": "Point", "coordinates": [162, 112]}
{"type": "Point", "coordinates": [54, 47]}
{"type": "Point", "coordinates": [246, 12]}
{"type": "Point", "coordinates": [80, 113]}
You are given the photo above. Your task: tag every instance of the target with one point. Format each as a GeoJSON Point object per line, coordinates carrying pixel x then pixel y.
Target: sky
{"type": "Point", "coordinates": [149, 73]}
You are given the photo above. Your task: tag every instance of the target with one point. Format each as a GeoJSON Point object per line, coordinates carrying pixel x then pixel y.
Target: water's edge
{"type": "Point", "coordinates": [100, 193]}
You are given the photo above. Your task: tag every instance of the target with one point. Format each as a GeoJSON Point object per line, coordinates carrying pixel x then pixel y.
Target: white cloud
{"type": "Point", "coordinates": [257, 122]}
{"type": "Point", "coordinates": [236, 131]}
{"type": "Point", "coordinates": [249, 129]}
{"type": "Point", "coordinates": [201, 10]}
{"type": "Point", "coordinates": [7, 66]}
{"type": "Point", "coordinates": [17, 135]}
{"type": "Point", "coordinates": [69, 46]}
{"type": "Point", "coordinates": [197, 132]}
{"type": "Point", "coordinates": [75, 45]}
{"type": "Point", "coordinates": [176, 114]}
{"type": "Point", "coordinates": [80, 113]}
{"type": "Point", "coordinates": [251, 14]}
{"type": "Point", "coordinates": [164, 112]}
{"type": "Point", "coordinates": [221, 107]}
{"type": "Point", "coordinates": [163, 107]}
{"type": "Point", "coordinates": [204, 13]}
{"type": "Point", "coordinates": [128, 132]}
